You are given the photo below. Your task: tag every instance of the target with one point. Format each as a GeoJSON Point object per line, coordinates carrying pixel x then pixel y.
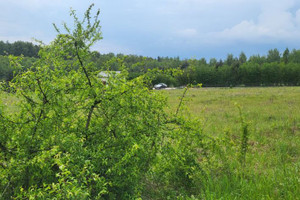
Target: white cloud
{"type": "Point", "coordinates": [244, 30]}
{"type": "Point", "coordinates": [275, 23]}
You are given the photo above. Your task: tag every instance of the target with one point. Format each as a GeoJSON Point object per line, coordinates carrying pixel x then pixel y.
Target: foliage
{"type": "Point", "coordinates": [19, 48]}
{"type": "Point", "coordinates": [285, 56]}
{"type": "Point", "coordinates": [242, 58]}
{"type": "Point", "coordinates": [7, 70]}
{"type": "Point", "coordinates": [273, 55]}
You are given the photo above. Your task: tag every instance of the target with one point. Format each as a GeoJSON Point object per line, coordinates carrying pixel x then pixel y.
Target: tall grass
{"type": "Point", "coordinates": [263, 158]}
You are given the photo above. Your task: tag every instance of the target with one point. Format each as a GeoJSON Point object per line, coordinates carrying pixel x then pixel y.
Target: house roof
{"type": "Point", "coordinates": [105, 74]}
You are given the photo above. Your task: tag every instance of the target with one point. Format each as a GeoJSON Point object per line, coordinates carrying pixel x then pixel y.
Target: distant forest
{"type": "Point", "coordinates": [274, 69]}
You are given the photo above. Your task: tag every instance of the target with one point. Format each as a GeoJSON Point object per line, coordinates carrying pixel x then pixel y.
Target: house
{"type": "Point", "coordinates": [104, 75]}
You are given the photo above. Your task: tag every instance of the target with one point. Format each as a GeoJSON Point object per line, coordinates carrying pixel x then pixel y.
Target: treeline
{"type": "Point", "coordinates": [274, 69]}
{"type": "Point", "coordinates": [18, 48]}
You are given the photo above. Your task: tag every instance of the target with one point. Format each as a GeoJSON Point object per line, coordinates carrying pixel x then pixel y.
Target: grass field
{"type": "Point", "coordinates": [273, 111]}
{"type": "Point", "coordinates": [272, 167]}
{"type": "Point", "coordinates": [273, 115]}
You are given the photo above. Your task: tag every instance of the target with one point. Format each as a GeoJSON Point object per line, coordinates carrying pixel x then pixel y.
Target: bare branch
{"type": "Point", "coordinates": [82, 66]}
{"type": "Point", "coordinates": [45, 100]}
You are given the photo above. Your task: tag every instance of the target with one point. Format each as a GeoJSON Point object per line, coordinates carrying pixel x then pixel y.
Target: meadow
{"type": "Point", "coordinates": [273, 117]}
{"type": "Point", "coordinates": [273, 111]}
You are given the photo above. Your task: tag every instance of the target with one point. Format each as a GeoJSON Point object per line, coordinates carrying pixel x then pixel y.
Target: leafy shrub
{"type": "Point", "coordinates": [75, 137]}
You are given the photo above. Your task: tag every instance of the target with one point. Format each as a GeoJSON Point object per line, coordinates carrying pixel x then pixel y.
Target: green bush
{"type": "Point", "coordinates": [75, 137]}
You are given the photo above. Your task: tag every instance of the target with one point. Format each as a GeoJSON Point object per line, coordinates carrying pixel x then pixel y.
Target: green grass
{"type": "Point", "coordinates": [272, 169]}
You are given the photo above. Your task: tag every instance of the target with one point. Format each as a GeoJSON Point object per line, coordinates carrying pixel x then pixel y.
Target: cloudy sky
{"type": "Point", "coordinates": [184, 28]}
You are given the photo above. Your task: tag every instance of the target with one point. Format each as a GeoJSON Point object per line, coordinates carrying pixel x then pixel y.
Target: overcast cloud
{"type": "Point", "coordinates": [184, 28]}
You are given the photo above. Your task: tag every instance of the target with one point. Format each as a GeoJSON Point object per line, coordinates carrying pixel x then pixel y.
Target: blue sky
{"type": "Point", "coordinates": [184, 28]}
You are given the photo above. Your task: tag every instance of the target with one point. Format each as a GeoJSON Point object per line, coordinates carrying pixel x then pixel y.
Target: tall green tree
{"type": "Point", "coordinates": [229, 60]}
{"type": "Point", "coordinates": [257, 59]}
{"type": "Point", "coordinates": [294, 56]}
{"type": "Point", "coordinates": [212, 62]}
{"type": "Point", "coordinates": [220, 63]}
{"type": "Point", "coordinates": [242, 58]}
{"type": "Point", "coordinates": [285, 56]}
{"type": "Point", "coordinates": [273, 56]}
{"type": "Point", "coordinates": [202, 61]}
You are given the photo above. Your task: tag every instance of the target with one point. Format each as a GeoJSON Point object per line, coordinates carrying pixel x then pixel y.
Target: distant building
{"type": "Point", "coordinates": [104, 75]}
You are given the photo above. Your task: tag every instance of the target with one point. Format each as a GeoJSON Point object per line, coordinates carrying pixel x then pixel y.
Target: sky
{"type": "Point", "coordinates": [184, 28]}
